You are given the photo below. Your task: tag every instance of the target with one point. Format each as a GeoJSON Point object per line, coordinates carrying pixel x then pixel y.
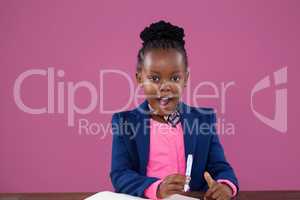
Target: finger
{"type": "Point", "coordinates": [220, 198]}
{"type": "Point", "coordinates": [217, 194]}
{"type": "Point", "coordinates": [174, 187]}
{"type": "Point", "coordinates": [223, 197]}
{"type": "Point", "coordinates": [226, 196]}
{"type": "Point", "coordinates": [211, 190]}
{"type": "Point", "coordinates": [210, 181]}
{"type": "Point", "coordinates": [188, 178]}
{"type": "Point", "coordinates": [173, 192]}
{"type": "Point", "coordinates": [177, 179]}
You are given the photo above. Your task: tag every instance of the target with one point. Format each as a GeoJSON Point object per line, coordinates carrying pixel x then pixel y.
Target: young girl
{"type": "Point", "coordinates": [152, 142]}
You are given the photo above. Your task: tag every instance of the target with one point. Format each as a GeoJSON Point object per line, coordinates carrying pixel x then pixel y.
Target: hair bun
{"type": "Point", "coordinates": [162, 30]}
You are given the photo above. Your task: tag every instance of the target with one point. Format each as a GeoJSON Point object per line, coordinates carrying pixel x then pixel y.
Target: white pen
{"type": "Point", "coordinates": [188, 171]}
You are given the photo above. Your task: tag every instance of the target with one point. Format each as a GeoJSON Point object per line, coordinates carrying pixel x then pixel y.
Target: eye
{"type": "Point", "coordinates": [154, 78]}
{"type": "Point", "coordinates": [175, 78]}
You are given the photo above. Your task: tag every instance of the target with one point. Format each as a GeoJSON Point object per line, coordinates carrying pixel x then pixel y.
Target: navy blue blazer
{"type": "Point", "coordinates": [130, 149]}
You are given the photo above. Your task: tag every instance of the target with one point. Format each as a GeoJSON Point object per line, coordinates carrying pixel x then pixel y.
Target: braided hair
{"type": "Point", "coordinates": [161, 35]}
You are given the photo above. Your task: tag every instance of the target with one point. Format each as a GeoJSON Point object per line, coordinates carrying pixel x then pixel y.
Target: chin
{"type": "Point", "coordinates": [165, 110]}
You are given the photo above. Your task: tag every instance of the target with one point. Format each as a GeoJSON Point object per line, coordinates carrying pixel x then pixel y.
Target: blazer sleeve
{"type": "Point", "coordinates": [217, 164]}
{"type": "Point", "coordinates": [123, 176]}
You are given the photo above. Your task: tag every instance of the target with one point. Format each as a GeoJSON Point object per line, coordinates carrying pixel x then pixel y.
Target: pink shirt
{"type": "Point", "coordinates": [166, 155]}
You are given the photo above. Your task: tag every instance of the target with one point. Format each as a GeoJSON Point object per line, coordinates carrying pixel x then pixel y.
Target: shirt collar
{"type": "Point", "coordinates": [172, 119]}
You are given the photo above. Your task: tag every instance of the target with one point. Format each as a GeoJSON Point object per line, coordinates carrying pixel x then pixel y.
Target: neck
{"type": "Point", "coordinates": [158, 118]}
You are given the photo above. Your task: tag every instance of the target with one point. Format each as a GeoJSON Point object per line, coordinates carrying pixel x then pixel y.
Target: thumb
{"type": "Point", "coordinates": [210, 181]}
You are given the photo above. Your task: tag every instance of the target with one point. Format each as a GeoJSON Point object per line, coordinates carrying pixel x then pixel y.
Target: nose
{"type": "Point", "coordinates": [165, 87]}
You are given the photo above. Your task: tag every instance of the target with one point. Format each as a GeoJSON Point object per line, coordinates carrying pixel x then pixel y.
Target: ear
{"type": "Point", "coordinates": [186, 78]}
{"type": "Point", "coordinates": [138, 76]}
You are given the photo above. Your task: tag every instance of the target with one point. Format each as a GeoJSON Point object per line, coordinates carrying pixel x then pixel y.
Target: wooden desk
{"type": "Point", "coordinates": [253, 195]}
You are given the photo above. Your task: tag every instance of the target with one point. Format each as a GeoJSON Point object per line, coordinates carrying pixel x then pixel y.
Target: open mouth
{"type": "Point", "coordinates": [165, 101]}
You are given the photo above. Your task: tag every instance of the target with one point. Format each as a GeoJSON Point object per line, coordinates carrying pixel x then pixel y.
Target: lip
{"type": "Point", "coordinates": [167, 96]}
{"type": "Point", "coordinates": [165, 101]}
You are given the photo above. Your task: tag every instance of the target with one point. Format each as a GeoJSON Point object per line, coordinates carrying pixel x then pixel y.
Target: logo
{"type": "Point", "coordinates": [58, 88]}
{"type": "Point", "coordinates": [279, 122]}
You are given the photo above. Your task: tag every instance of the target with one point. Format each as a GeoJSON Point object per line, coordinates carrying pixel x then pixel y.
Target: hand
{"type": "Point", "coordinates": [217, 191]}
{"type": "Point", "coordinates": [172, 184]}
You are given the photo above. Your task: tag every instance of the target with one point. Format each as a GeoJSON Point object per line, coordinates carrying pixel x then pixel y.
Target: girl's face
{"type": "Point", "coordinates": [163, 76]}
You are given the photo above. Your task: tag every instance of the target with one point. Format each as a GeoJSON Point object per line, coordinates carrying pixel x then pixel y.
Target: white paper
{"type": "Point", "coordinates": [107, 195]}
{"type": "Point", "coordinates": [180, 197]}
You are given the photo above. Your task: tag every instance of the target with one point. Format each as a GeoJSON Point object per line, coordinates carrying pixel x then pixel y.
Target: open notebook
{"type": "Point", "coordinates": [117, 196]}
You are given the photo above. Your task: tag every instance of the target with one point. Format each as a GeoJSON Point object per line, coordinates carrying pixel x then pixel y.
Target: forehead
{"type": "Point", "coordinates": [163, 61]}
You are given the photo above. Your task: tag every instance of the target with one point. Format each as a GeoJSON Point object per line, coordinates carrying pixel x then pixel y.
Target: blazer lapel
{"type": "Point", "coordinates": [143, 135]}
{"type": "Point", "coordinates": [187, 123]}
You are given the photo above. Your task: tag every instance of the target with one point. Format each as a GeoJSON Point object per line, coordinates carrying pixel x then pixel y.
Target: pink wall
{"type": "Point", "coordinates": [237, 41]}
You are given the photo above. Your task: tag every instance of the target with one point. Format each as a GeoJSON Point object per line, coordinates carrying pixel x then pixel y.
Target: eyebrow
{"type": "Point", "coordinates": [175, 72]}
{"type": "Point", "coordinates": [157, 72]}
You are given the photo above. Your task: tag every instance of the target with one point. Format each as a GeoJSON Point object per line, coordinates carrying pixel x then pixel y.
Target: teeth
{"type": "Point", "coordinates": [164, 101]}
